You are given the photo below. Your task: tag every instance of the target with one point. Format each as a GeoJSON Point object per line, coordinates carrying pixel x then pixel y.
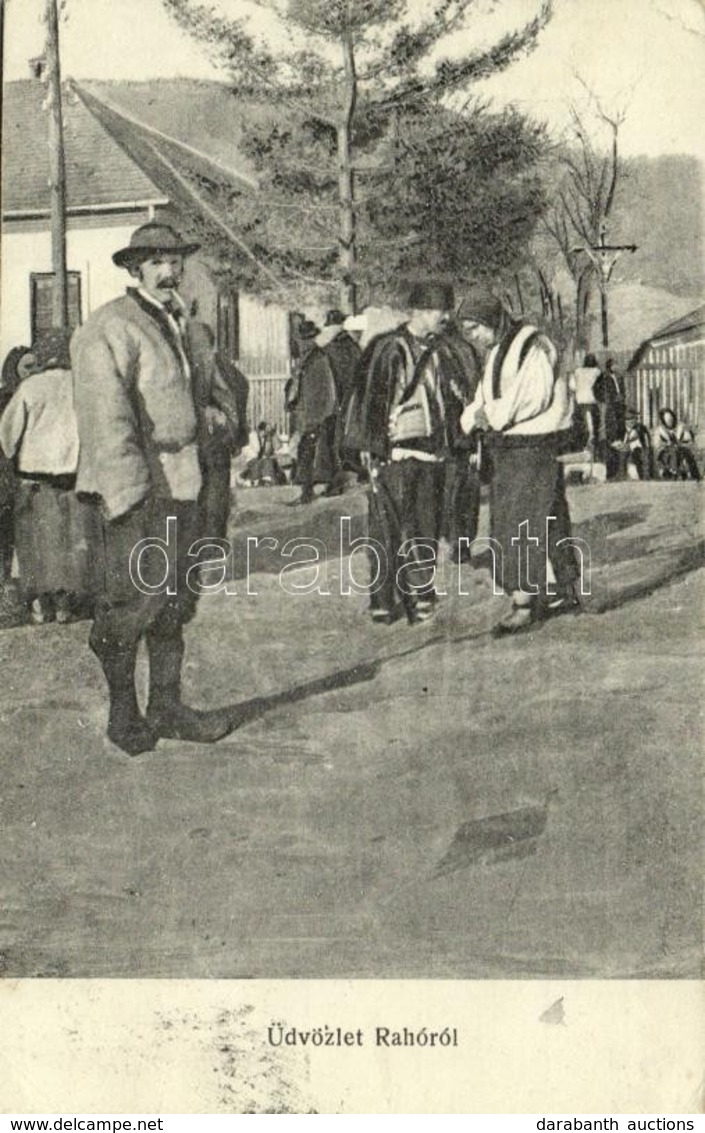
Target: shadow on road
{"type": "Point", "coordinates": [611, 592]}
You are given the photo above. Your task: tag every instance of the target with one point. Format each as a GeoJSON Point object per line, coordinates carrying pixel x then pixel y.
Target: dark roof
{"type": "Point", "coordinates": [686, 323]}
{"type": "Point", "coordinates": [199, 186]}
{"type": "Point", "coordinates": [691, 321]}
{"type": "Point", "coordinates": [166, 159]}
{"type": "Point", "coordinates": [97, 171]}
{"type": "Point", "coordinates": [204, 115]}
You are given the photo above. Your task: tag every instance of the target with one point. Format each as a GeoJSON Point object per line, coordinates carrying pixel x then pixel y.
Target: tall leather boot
{"type": "Point", "coordinates": [166, 715]}
{"type": "Point", "coordinates": [127, 728]}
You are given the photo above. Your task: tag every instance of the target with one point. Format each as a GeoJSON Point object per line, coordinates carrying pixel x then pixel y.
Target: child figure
{"type": "Point", "coordinates": [674, 455]}
{"type": "Point", "coordinates": [264, 471]}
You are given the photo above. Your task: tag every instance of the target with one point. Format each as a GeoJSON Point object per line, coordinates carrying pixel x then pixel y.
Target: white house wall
{"type": "Point", "coordinates": [90, 243]}
{"type": "Point", "coordinates": [26, 248]}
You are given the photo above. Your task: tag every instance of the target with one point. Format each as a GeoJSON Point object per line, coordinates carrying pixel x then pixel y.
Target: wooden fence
{"type": "Point", "coordinates": [267, 375]}
{"type": "Point", "coordinates": [669, 375]}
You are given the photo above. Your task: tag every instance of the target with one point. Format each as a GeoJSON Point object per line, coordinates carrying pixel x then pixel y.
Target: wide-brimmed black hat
{"type": "Point", "coordinates": [431, 295]}
{"type": "Point", "coordinates": [150, 240]}
{"type": "Point", "coordinates": [307, 329]}
{"type": "Point", "coordinates": [334, 318]}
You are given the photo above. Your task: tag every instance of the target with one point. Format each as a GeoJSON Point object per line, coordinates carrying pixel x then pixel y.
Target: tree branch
{"type": "Point", "coordinates": [455, 73]}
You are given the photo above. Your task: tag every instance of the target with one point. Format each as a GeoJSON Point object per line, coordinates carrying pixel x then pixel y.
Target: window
{"type": "Point", "coordinates": [41, 285]}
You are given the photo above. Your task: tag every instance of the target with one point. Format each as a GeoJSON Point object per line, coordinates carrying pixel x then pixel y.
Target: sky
{"type": "Point", "coordinates": [645, 56]}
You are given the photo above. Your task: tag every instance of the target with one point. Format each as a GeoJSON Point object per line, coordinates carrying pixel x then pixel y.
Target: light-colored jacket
{"type": "Point", "coordinates": [38, 426]}
{"type": "Point", "coordinates": [134, 405]}
{"type": "Point", "coordinates": [531, 397]}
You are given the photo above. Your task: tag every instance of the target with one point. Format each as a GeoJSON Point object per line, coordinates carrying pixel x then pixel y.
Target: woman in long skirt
{"type": "Point", "coordinates": [51, 526]}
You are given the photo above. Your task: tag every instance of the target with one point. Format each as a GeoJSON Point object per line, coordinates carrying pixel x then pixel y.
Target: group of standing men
{"type": "Point", "coordinates": [441, 403]}
{"type": "Point", "coordinates": [409, 412]}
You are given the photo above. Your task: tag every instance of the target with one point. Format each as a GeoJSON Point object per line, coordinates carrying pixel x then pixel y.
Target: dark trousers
{"type": "Point", "coordinates": [405, 510]}
{"type": "Point", "coordinates": [462, 500]}
{"type": "Point", "coordinates": [527, 488]}
{"type": "Point", "coordinates": [316, 461]}
{"type": "Point", "coordinates": [7, 540]}
{"type": "Point", "coordinates": [305, 462]}
{"type": "Point", "coordinates": [610, 458]}
{"type": "Point", "coordinates": [214, 500]}
{"type": "Point", "coordinates": [677, 462]}
{"type": "Point", "coordinates": [147, 593]}
{"type": "Point", "coordinates": [643, 462]}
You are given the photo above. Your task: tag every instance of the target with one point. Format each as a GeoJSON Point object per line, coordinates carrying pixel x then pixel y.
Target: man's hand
{"type": "Point", "coordinates": [472, 418]}
{"type": "Point", "coordinates": [214, 418]}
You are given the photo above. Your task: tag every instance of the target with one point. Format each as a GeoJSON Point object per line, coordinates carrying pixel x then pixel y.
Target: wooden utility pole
{"type": "Point", "coordinates": [57, 170]}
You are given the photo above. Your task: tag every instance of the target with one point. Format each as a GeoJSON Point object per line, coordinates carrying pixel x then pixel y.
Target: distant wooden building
{"type": "Point", "coordinates": [668, 371]}
{"type": "Point", "coordinates": [122, 172]}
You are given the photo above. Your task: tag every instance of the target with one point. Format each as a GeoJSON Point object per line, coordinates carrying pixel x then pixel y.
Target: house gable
{"type": "Point", "coordinates": [99, 175]}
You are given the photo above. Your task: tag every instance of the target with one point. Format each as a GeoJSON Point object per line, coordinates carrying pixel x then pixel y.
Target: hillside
{"type": "Point", "coordinates": [636, 310]}
{"type": "Point", "coordinates": [659, 207]}
{"type": "Point", "coordinates": [659, 203]}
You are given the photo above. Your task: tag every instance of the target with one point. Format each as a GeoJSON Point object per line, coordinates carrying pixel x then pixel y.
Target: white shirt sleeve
{"type": "Point", "coordinates": [530, 395]}
{"type": "Point", "coordinates": [13, 424]}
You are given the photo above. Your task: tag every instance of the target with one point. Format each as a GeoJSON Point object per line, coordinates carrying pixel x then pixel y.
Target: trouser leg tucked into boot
{"type": "Point", "coordinates": [127, 728]}
{"type": "Point", "coordinates": [166, 715]}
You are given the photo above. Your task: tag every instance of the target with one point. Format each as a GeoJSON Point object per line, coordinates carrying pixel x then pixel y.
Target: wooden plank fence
{"type": "Point", "coordinates": [267, 375]}
{"type": "Point", "coordinates": [670, 375]}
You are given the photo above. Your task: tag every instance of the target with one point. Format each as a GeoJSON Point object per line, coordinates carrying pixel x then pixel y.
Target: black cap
{"type": "Point", "coordinates": [431, 295]}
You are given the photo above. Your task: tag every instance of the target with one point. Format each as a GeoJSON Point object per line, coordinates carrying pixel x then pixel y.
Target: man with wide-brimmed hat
{"type": "Point", "coordinates": [344, 354]}
{"type": "Point", "coordinates": [398, 422]}
{"type": "Point", "coordinates": [139, 460]}
{"type": "Point", "coordinates": [314, 402]}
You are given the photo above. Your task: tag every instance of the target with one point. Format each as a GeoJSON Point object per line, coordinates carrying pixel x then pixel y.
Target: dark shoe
{"type": "Point", "coordinates": [560, 604]}
{"type": "Point", "coordinates": [422, 610]}
{"type": "Point", "coordinates": [127, 728]}
{"type": "Point", "coordinates": [518, 620]}
{"type": "Point", "coordinates": [178, 722]}
{"type": "Point", "coordinates": [63, 608]}
{"type": "Point", "coordinates": [133, 738]}
{"type": "Point", "coordinates": [384, 617]}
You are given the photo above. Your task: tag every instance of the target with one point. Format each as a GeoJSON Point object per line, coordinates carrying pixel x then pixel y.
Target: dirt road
{"type": "Point", "coordinates": [398, 801]}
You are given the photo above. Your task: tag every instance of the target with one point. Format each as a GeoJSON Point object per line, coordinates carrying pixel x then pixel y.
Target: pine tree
{"type": "Point", "coordinates": [335, 88]}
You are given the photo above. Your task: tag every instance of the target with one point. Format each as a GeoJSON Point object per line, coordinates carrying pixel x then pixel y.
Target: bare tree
{"type": "Point", "coordinates": [587, 175]}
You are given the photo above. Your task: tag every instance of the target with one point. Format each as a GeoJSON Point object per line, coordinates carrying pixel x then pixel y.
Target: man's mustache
{"type": "Point", "coordinates": [168, 284]}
